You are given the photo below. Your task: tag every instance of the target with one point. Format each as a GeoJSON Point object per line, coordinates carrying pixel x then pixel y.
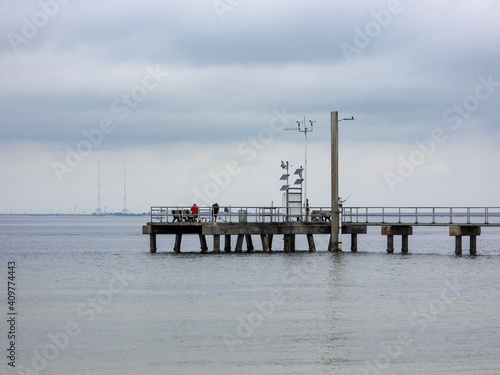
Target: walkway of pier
{"type": "Point", "coordinates": [266, 222]}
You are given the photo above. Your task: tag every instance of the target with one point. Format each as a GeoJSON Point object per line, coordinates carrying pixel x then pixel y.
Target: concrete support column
{"type": "Point", "coordinates": [227, 243]}
{"type": "Point", "coordinates": [270, 240]}
{"type": "Point", "coordinates": [239, 243]}
{"type": "Point", "coordinates": [354, 230]}
{"type": "Point", "coordinates": [390, 243]}
{"type": "Point", "coordinates": [310, 241]}
{"type": "Point", "coordinates": [465, 230]}
{"type": "Point", "coordinates": [249, 242]}
{"type": "Point", "coordinates": [354, 242]}
{"type": "Point", "coordinates": [473, 245]}
{"type": "Point", "coordinates": [203, 243]}
{"type": "Point", "coordinates": [287, 243]}
{"type": "Point", "coordinates": [152, 243]}
{"type": "Point", "coordinates": [458, 245]}
{"type": "Point", "coordinates": [178, 241]}
{"type": "Point", "coordinates": [397, 230]}
{"type": "Point", "coordinates": [216, 243]}
{"type": "Point", "coordinates": [404, 243]}
{"type": "Point", "coordinates": [265, 243]}
{"type": "Point", "coordinates": [292, 242]}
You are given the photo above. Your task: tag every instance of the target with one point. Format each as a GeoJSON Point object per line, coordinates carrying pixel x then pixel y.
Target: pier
{"type": "Point", "coordinates": [266, 223]}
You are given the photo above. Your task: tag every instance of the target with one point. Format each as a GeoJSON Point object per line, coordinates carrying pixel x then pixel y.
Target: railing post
{"type": "Point", "coordinates": [399, 210]}
{"type": "Point", "coordinates": [416, 215]}
{"type": "Point", "coordinates": [433, 215]}
{"type": "Point", "coordinates": [468, 215]}
{"type": "Point", "coordinates": [486, 213]}
{"type": "Point", "coordinates": [451, 215]}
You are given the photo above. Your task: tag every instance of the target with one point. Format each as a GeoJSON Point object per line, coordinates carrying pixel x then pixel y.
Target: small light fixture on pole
{"type": "Point", "coordinates": [335, 224]}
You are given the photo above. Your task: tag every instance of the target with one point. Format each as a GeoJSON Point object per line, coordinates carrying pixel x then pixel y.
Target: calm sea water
{"type": "Point", "coordinates": [92, 300]}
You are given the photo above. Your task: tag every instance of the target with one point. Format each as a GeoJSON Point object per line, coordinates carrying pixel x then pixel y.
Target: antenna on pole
{"type": "Point", "coordinates": [305, 129]}
{"type": "Point", "coordinates": [124, 211]}
{"type": "Point", "coordinates": [98, 211]}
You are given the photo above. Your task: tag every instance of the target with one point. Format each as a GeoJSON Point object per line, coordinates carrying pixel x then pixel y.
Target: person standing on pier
{"type": "Point", "coordinates": [194, 212]}
{"type": "Point", "coordinates": [341, 202]}
{"type": "Point", "coordinates": [307, 209]}
{"type": "Point", "coordinates": [215, 211]}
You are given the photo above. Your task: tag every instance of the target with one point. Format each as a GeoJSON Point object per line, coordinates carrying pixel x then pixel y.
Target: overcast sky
{"type": "Point", "coordinates": [193, 97]}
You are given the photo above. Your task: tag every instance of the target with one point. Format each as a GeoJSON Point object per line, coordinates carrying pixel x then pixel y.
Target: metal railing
{"type": "Point", "coordinates": [235, 214]}
{"type": "Point", "coordinates": [487, 216]}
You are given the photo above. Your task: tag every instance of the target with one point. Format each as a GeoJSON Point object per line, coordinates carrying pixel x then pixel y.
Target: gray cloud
{"type": "Point", "coordinates": [227, 76]}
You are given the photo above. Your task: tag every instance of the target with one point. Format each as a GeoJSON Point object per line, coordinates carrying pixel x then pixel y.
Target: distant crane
{"type": "Point", "coordinates": [98, 211]}
{"type": "Point", "coordinates": [125, 211]}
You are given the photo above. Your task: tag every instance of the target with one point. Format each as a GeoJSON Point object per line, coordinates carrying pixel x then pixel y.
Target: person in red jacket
{"type": "Point", "coordinates": [194, 211]}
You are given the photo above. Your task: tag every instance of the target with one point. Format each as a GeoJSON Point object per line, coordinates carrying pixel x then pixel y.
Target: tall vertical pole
{"type": "Point", "coordinates": [305, 164]}
{"type": "Point", "coordinates": [334, 244]}
{"type": "Point", "coordinates": [98, 210]}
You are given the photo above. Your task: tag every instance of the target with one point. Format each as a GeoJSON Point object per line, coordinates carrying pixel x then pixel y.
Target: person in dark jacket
{"type": "Point", "coordinates": [215, 211]}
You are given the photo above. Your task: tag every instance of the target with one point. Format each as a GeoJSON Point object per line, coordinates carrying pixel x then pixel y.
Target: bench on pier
{"type": "Point", "coordinates": [183, 215]}
{"type": "Point", "coordinates": [321, 215]}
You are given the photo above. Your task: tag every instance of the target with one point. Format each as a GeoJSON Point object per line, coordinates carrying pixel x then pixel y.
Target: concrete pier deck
{"type": "Point", "coordinates": [267, 222]}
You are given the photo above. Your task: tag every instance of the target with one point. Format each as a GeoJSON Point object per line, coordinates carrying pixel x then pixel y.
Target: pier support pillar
{"type": "Point", "coordinates": [227, 243]}
{"type": "Point", "coordinates": [152, 243]}
{"type": "Point", "coordinates": [265, 243]}
{"type": "Point", "coordinates": [397, 230]}
{"type": "Point", "coordinates": [354, 230]}
{"type": "Point", "coordinates": [473, 245]}
{"type": "Point", "coordinates": [270, 240]}
{"type": "Point", "coordinates": [404, 243]}
{"type": "Point", "coordinates": [203, 243]}
{"type": "Point", "coordinates": [239, 243]}
{"type": "Point", "coordinates": [178, 241]}
{"type": "Point", "coordinates": [354, 242]}
{"type": "Point", "coordinates": [310, 241]}
{"type": "Point", "coordinates": [287, 243]}
{"type": "Point", "coordinates": [458, 245]}
{"type": "Point", "coordinates": [216, 243]}
{"type": "Point", "coordinates": [249, 242]}
{"type": "Point", "coordinates": [465, 230]}
{"type": "Point", "coordinates": [390, 243]}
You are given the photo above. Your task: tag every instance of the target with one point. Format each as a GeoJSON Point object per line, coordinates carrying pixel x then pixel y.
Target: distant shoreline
{"type": "Point", "coordinates": [93, 214]}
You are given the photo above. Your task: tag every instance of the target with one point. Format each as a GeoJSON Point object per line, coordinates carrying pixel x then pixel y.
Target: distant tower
{"type": "Point", "coordinates": [124, 211]}
{"type": "Point", "coordinates": [98, 211]}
